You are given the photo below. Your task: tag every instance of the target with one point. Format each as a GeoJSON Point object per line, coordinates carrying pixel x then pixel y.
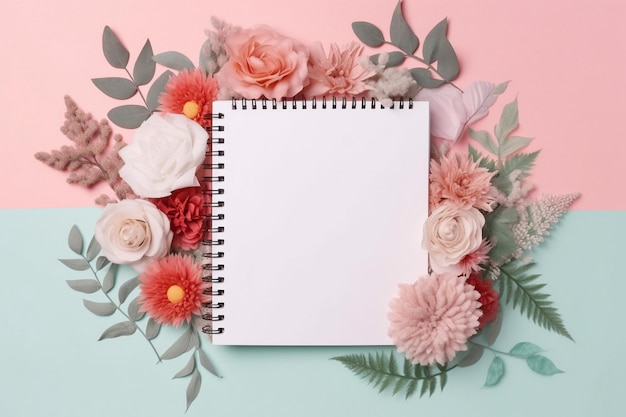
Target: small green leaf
{"type": "Point", "coordinates": [126, 288]}
{"type": "Point", "coordinates": [472, 356]}
{"type": "Point", "coordinates": [144, 68]}
{"type": "Point", "coordinates": [495, 372]}
{"type": "Point", "coordinates": [500, 88]}
{"type": "Point", "coordinates": [152, 329]}
{"type": "Point", "coordinates": [188, 369]}
{"type": "Point", "coordinates": [76, 264]}
{"type": "Point", "coordinates": [115, 53]}
{"type": "Point", "coordinates": [525, 349]}
{"type": "Point", "coordinates": [100, 309]}
{"type": "Point", "coordinates": [183, 344]}
{"type": "Point", "coordinates": [75, 240]}
{"type": "Point", "coordinates": [109, 278]}
{"type": "Point", "coordinates": [513, 144]}
{"type": "Point", "coordinates": [129, 116]}
{"type": "Point", "coordinates": [484, 139]}
{"type": "Point", "coordinates": [509, 120]}
{"type": "Point", "coordinates": [93, 249]}
{"type": "Point", "coordinates": [101, 262]}
{"type": "Point", "coordinates": [125, 328]}
{"type": "Point", "coordinates": [448, 63]}
{"type": "Point", "coordinates": [206, 363]}
{"type": "Point", "coordinates": [542, 365]}
{"type": "Point", "coordinates": [157, 87]}
{"type": "Point", "coordinates": [433, 40]}
{"type": "Point", "coordinates": [174, 60]}
{"type": "Point", "coordinates": [133, 310]}
{"type": "Point", "coordinates": [394, 59]}
{"type": "Point", "coordinates": [116, 87]}
{"type": "Point", "coordinates": [401, 33]}
{"type": "Point", "coordinates": [369, 34]}
{"type": "Point", "coordinates": [423, 77]}
{"type": "Point", "coordinates": [194, 387]}
{"type": "Point", "coordinates": [87, 286]}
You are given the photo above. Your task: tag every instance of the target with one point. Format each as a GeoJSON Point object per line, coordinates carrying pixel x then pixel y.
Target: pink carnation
{"type": "Point", "coordinates": [462, 182]}
{"type": "Point", "coordinates": [432, 319]}
{"type": "Point", "coordinates": [338, 73]}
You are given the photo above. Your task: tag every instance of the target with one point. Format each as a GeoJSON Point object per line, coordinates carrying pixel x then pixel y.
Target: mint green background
{"type": "Point", "coordinates": [51, 363]}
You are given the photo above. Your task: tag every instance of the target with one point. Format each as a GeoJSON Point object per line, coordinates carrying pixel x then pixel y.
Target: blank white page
{"type": "Point", "coordinates": [324, 211]}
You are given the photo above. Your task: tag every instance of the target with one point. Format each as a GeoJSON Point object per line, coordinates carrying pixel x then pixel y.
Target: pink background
{"type": "Point", "coordinates": [564, 59]}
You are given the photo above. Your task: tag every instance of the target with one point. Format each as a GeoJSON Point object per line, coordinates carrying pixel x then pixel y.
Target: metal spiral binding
{"type": "Point", "coordinates": [212, 257]}
{"type": "Point", "coordinates": [333, 103]}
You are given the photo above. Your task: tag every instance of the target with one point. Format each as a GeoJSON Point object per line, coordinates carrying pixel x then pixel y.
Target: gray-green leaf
{"type": "Point", "coordinates": [206, 363]}
{"type": "Point", "coordinates": [76, 264]}
{"type": "Point", "coordinates": [152, 329]}
{"type": "Point", "coordinates": [447, 63]}
{"type": "Point", "coordinates": [368, 33]}
{"type": "Point", "coordinates": [188, 369]}
{"type": "Point", "coordinates": [116, 87]}
{"type": "Point", "coordinates": [93, 249]}
{"type": "Point", "coordinates": [75, 240]}
{"type": "Point", "coordinates": [183, 344]}
{"type": "Point", "coordinates": [157, 87]}
{"type": "Point", "coordinates": [87, 286]}
{"type": "Point", "coordinates": [129, 116]}
{"type": "Point", "coordinates": [174, 60]}
{"type": "Point", "coordinates": [423, 77]}
{"type": "Point", "coordinates": [133, 310]}
{"type": "Point", "coordinates": [115, 53]}
{"type": "Point", "coordinates": [125, 328]}
{"type": "Point", "coordinates": [394, 59]}
{"type": "Point", "coordinates": [542, 365]}
{"type": "Point", "coordinates": [513, 144]}
{"type": "Point", "coordinates": [432, 41]}
{"type": "Point", "coordinates": [525, 349]}
{"type": "Point", "coordinates": [109, 278]}
{"type": "Point", "coordinates": [194, 387]}
{"type": "Point", "coordinates": [484, 139]}
{"type": "Point", "coordinates": [509, 120]}
{"type": "Point", "coordinates": [100, 309]}
{"type": "Point", "coordinates": [144, 68]}
{"type": "Point", "coordinates": [495, 372]}
{"type": "Point", "coordinates": [401, 33]}
{"type": "Point", "coordinates": [126, 288]}
{"type": "Point", "coordinates": [101, 262]}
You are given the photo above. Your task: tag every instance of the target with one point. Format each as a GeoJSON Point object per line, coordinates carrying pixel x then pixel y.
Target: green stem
{"type": "Point", "coordinates": [138, 89]}
{"type": "Point", "coordinates": [95, 274]}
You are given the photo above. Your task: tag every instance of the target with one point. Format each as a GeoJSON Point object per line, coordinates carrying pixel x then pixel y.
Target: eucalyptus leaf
{"type": "Point", "coordinates": [145, 67]}
{"type": "Point", "coordinates": [152, 329]}
{"type": "Point", "coordinates": [394, 59]}
{"type": "Point", "coordinates": [188, 369]}
{"type": "Point", "coordinates": [75, 240]}
{"type": "Point", "coordinates": [368, 33]}
{"type": "Point", "coordinates": [401, 33]}
{"type": "Point", "coordinates": [484, 139]}
{"type": "Point", "coordinates": [423, 77]}
{"type": "Point", "coordinates": [183, 344]}
{"type": "Point", "coordinates": [76, 264]}
{"type": "Point", "coordinates": [194, 387]}
{"type": "Point", "coordinates": [447, 63]}
{"type": "Point", "coordinates": [513, 144]}
{"type": "Point", "coordinates": [492, 330]}
{"type": "Point", "coordinates": [133, 310]}
{"type": "Point", "coordinates": [472, 356]}
{"type": "Point", "coordinates": [129, 116]}
{"type": "Point", "coordinates": [432, 41]}
{"type": "Point", "coordinates": [157, 87]}
{"type": "Point", "coordinates": [87, 286]}
{"type": "Point", "coordinates": [109, 278]}
{"type": "Point", "coordinates": [100, 309]}
{"type": "Point", "coordinates": [542, 365]}
{"type": "Point", "coordinates": [509, 120]}
{"type": "Point", "coordinates": [115, 53]}
{"type": "Point", "coordinates": [124, 328]}
{"type": "Point", "coordinates": [174, 60]}
{"type": "Point", "coordinates": [525, 349]}
{"type": "Point", "coordinates": [500, 88]}
{"type": "Point", "coordinates": [126, 288]}
{"type": "Point", "coordinates": [116, 87]}
{"type": "Point", "coordinates": [206, 363]}
{"type": "Point", "coordinates": [93, 249]}
{"type": "Point", "coordinates": [101, 262]}
{"type": "Point", "coordinates": [495, 372]}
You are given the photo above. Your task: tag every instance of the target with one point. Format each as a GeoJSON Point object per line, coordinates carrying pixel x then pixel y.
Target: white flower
{"type": "Point", "coordinates": [451, 233]}
{"type": "Point", "coordinates": [133, 232]}
{"type": "Point", "coordinates": [163, 155]}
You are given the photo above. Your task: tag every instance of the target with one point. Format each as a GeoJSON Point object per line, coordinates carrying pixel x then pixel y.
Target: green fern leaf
{"type": "Point", "coordinates": [518, 288]}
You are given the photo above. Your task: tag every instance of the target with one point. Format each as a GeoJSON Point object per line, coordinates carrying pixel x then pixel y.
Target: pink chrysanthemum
{"type": "Point", "coordinates": [461, 181]}
{"type": "Point", "coordinates": [338, 73]}
{"type": "Point", "coordinates": [190, 93]}
{"type": "Point", "coordinates": [433, 318]}
{"type": "Point", "coordinates": [172, 290]}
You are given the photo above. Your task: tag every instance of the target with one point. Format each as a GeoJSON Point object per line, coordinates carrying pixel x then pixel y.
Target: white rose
{"type": "Point", "coordinates": [451, 233]}
{"type": "Point", "coordinates": [164, 155]}
{"type": "Point", "coordinates": [133, 232]}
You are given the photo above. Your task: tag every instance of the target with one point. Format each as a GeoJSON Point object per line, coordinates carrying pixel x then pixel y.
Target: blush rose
{"type": "Point", "coordinates": [133, 232]}
{"type": "Point", "coordinates": [451, 233]}
{"type": "Point", "coordinates": [263, 63]}
{"type": "Point", "coordinates": [164, 155]}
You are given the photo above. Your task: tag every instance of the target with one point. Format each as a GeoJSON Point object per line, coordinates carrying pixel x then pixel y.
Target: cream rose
{"type": "Point", "coordinates": [133, 232]}
{"type": "Point", "coordinates": [164, 155]}
{"type": "Point", "coordinates": [451, 233]}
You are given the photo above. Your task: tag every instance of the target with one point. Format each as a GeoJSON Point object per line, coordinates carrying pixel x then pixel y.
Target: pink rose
{"type": "Point", "coordinates": [451, 233]}
{"type": "Point", "coordinates": [263, 63]}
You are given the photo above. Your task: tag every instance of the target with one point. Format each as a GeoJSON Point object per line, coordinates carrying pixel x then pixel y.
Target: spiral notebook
{"type": "Point", "coordinates": [317, 214]}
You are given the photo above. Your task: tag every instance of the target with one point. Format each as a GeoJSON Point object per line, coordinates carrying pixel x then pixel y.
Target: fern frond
{"type": "Point", "coordinates": [381, 371]}
{"type": "Point", "coordinates": [519, 289]}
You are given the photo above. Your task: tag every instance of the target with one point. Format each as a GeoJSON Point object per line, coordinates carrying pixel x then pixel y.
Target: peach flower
{"type": "Point", "coordinates": [190, 93]}
{"type": "Point", "coordinates": [263, 63]}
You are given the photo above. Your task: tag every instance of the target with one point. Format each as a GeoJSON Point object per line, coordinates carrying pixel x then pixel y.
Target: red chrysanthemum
{"type": "Point", "coordinates": [190, 93]}
{"type": "Point", "coordinates": [488, 299]}
{"type": "Point", "coordinates": [172, 289]}
{"type": "Point", "coordinates": [185, 210]}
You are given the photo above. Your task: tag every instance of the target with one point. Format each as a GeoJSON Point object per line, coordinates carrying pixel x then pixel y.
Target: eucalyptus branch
{"type": "Point", "coordinates": [143, 98]}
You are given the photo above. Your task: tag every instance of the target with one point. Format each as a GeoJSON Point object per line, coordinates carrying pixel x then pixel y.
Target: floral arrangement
{"type": "Point", "coordinates": [482, 223]}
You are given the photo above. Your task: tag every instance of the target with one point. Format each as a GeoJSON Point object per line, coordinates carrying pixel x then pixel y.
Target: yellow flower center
{"type": "Point", "coordinates": [191, 109]}
{"type": "Point", "coordinates": [175, 294]}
